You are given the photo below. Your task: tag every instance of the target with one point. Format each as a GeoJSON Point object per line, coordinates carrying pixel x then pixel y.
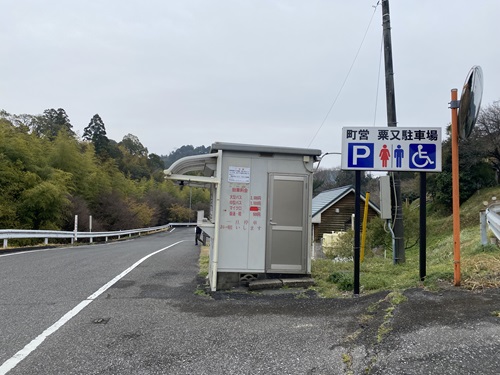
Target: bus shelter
{"type": "Point", "coordinates": [260, 211]}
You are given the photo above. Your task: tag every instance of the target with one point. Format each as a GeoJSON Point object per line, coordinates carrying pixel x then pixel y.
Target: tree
{"type": "Point", "coordinates": [47, 175]}
{"type": "Point", "coordinates": [114, 212]}
{"type": "Point", "coordinates": [345, 178]}
{"type": "Point", "coordinates": [179, 213]}
{"type": "Point", "coordinates": [95, 132]}
{"type": "Point", "coordinates": [133, 145]}
{"type": "Point", "coordinates": [155, 163]}
{"type": "Point", "coordinates": [44, 206]}
{"type": "Point", "coordinates": [51, 123]}
{"type": "Point", "coordinates": [156, 167]}
{"type": "Point", "coordinates": [134, 163]}
{"type": "Point", "coordinates": [324, 179]}
{"type": "Point", "coordinates": [476, 171]}
{"type": "Point", "coordinates": [486, 134]}
{"type": "Point", "coordinates": [22, 122]}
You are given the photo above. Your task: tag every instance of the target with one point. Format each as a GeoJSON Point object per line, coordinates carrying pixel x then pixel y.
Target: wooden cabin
{"type": "Point", "coordinates": [332, 210]}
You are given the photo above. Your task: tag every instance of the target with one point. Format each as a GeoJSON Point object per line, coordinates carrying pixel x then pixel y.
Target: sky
{"type": "Point", "coordinates": [267, 72]}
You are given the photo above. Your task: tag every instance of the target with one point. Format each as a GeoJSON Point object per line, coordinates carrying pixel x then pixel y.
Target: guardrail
{"type": "Point", "coordinates": [490, 217]}
{"type": "Point", "coordinates": [7, 234]}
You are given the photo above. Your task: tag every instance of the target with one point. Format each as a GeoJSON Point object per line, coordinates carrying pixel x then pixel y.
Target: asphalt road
{"type": "Point", "coordinates": [150, 321]}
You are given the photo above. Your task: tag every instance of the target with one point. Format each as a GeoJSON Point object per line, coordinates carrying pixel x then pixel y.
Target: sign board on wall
{"type": "Point", "coordinates": [239, 174]}
{"type": "Point", "coordinates": [391, 149]}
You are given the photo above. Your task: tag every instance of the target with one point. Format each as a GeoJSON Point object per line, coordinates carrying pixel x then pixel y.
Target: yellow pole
{"type": "Point", "coordinates": [363, 231]}
{"type": "Point", "coordinates": [455, 188]}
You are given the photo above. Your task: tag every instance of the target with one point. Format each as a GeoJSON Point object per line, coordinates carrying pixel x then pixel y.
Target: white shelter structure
{"type": "Point", "coordinates": [260, 211]}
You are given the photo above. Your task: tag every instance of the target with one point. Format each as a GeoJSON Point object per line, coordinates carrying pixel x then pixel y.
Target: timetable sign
{"type": "Point", "coordinates": [391, 149]}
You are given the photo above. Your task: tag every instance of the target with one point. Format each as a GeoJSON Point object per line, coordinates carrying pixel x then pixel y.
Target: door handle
{"type": "Point", "coordinates": [271, 222]}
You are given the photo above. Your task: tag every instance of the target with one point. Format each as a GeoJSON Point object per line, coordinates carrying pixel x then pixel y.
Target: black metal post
{"type": "Point", "coordinates": [357, 228]}
{"type": "Point", "coordinates": [423, 225]}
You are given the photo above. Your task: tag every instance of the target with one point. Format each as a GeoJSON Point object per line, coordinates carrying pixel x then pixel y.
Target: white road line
{"type": "Point", "coordinates": [29, 348]}
{"type": "Point", "coordinates": [32, 251]}
{"type": "Point", "coordinates": [27, 252]}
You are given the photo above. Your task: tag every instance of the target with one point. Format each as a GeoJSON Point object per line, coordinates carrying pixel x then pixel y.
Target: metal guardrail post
{"type": "Point", "coordinates": [484, 227]}
{"type": "Point", "coordinates": [493, 219]}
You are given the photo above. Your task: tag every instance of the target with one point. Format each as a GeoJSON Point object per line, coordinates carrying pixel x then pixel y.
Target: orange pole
{"type": "Point", "coordinates": [455, 187]}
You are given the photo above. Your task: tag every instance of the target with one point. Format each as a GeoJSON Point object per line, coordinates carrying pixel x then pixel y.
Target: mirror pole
{"type": "Point", "coordinates": [455, 187]}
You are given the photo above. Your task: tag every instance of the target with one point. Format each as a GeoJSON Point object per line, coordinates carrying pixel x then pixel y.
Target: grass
{"type": "Point", "coordinates": [203, 264]}
{"type": "Point", "coordinates": [203, 261]}
{"type": "Point", "coordinates": [480, 265]}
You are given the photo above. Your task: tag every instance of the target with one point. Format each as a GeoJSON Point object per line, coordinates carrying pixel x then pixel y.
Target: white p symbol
{"type": "Point", "coordinates": [359, 152]}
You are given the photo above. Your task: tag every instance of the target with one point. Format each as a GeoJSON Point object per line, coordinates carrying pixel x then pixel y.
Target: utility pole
{"type": "Point", "coordinates": [397, 209]}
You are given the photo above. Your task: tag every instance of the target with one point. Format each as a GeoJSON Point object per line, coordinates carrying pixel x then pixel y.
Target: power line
{"type": "Point", "coordinates": [347, 76]}
{"type": "Point", "coordinates": [378, 80]}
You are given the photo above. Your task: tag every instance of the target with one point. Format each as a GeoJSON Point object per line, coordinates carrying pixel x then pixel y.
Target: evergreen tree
{"type": "Point", "coordinates": [51, 123]}
{"type": "Point", "coordinates": [95, 132]}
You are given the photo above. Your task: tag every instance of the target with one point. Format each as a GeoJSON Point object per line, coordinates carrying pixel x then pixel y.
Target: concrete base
{"type": "Point", "coordinates": [265, 284]}
{"type": "Point", "coordinates": [227, 280]}
{"type": "Point", "coordinates": [303, 282]}
{"type": "Point", "coordinates": [298, 282]}
{"type": "Point", "coordinates": [230, 280]}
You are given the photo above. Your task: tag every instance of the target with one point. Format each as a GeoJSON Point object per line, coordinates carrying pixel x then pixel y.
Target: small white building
{"type": "Point", "coordinates": [260, 212]}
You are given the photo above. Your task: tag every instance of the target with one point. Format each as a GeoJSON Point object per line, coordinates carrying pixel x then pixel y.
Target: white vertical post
{"type": "Point", "coordinates": [5, 242]}
{"type": "Point", "coordinates": [76, 228]}
{"type": "Point", "coordinates": [484, 230]}
{"type": "Point", "coordinates": [90, 227]}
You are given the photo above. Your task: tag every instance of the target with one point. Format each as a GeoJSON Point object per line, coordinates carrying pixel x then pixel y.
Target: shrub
{"type": "Point", "coordinates": [343, 280]}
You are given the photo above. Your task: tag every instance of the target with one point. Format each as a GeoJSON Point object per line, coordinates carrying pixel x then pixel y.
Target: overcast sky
{"type": "Point", "coordinates": [178, 72]}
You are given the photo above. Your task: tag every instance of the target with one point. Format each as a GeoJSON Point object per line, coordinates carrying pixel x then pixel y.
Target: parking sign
{"type": "Point", "coordinates": [391, 149]}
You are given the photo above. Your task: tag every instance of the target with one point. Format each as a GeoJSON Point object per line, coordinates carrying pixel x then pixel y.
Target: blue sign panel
{"type": "Point", "coordinates": [360, 155]}
{"type": "Point", "coordinates": [391, 149]}
{"type": "Point", "coordinates": [422, 156]}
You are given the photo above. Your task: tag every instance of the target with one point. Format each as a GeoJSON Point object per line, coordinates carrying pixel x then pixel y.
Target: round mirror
{"type": "Point", "coordinates": [470, 102]}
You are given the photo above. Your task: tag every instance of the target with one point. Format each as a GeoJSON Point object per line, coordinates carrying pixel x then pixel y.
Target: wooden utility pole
{"type": "Point", "coordinates": [397, 209]}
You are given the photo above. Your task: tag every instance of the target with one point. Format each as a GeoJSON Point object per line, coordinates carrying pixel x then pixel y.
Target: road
{"type": "Point", "coordinates": [146, 319]}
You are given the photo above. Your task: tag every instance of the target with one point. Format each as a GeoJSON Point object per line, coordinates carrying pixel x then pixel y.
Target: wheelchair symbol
{"type": "Point", "coordinates": [420, 157]}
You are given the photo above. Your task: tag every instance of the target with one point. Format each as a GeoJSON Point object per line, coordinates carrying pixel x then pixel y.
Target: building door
{"type": "Point", "coordinates": [286, 245]}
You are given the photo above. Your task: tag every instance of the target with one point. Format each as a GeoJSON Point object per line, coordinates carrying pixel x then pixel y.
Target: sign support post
{"type": "Point", "coordinates": [357, 226]}
{"type": "Point", "coordinates": [423, 226]}
{"type": "Point", "coordinates": [390, 149]}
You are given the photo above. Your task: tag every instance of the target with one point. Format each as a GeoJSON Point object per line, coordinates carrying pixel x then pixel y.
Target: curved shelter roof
{"type": "Point", "coordinates": [206, 165]}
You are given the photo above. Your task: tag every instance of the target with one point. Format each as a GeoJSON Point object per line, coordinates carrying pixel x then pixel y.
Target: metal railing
{"type": "Point", "coordinates": [7, 234]}
{"type": "Point", "coordinates": [490, 217]}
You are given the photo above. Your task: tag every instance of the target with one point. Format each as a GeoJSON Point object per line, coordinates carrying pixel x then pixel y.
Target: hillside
{"type": "Point", "coordinates": [480, 265]}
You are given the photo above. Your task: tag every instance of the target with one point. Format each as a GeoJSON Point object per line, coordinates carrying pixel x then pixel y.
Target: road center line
{"type": "Point", "coordinates": [29, 348]}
